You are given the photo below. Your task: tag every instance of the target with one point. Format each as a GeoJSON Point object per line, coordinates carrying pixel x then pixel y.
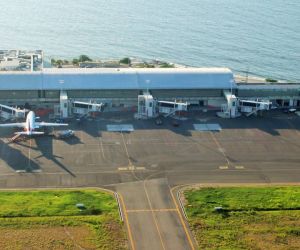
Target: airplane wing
{"type": "Point", "coordinates": [50, 124]}
{"type": "Point", "coordinates": [18, 124]}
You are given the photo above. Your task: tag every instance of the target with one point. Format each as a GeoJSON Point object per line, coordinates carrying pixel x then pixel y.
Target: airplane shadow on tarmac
{"type": "Point", "coordinates": [45, 146]}
{"type": "Point", "coordinates": [15, 159]}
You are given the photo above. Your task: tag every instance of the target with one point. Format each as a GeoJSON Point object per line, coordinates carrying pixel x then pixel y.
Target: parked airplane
{"type": "Point", "coordinates": [30, 125]}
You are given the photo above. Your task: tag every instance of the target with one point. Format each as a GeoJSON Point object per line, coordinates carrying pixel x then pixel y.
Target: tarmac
{"type": "Point", "coordinates": [145, 165]}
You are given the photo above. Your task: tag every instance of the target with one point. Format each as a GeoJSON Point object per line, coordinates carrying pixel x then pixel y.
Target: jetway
{"type": "Point", "coordinates": [235, 106]}
{"type": "Point", "coordinates": [229, 110]}
{"type": "Point", "coordinates": [146, 106]}
{"type": "Point", "coordinates": [85, 108]}
{"type": "Point", "coordinates": [64, 104]}
{"type": "Point", "coordinates": [149, 107]}
{"type": "Point", "coordinates": [169, 108]}
{"type": "Point", "coordinates": [67, 107]}
{"type": "Point", "coordinates": [7, 112]}
{"type": "Point", "coordinates": [250, 107]}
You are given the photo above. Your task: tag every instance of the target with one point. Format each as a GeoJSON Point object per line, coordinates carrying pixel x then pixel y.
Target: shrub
{"type": "Point", "coordinates": [75, 61]}
{"type": "Point", "coordinates": [53, 61]}
{"type": "Point", "coordinates": [271, 80]}
{"type": "Point", "coordinates": [84, 58]}
{"type": "Point", "coordinates": [167, 65]}
{"type": "Point", "coordinates": [125, 60]}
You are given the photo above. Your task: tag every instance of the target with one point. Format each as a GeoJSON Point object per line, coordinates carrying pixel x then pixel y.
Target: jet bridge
{"type": "Point", "coordinates": [7, 112]}
{"type": "Point", "coordinates": [171, 108]}
{"type": "Point", "coordinates": [64, 104]}
{"type": "Point", "coordinates": [148, 107]}
{"type": "Point", "coordinates": [250, 107]}
{"type": "Point", "coordinates": [230, 109]}
{"type": "Point", "coordinates": [234, 106]}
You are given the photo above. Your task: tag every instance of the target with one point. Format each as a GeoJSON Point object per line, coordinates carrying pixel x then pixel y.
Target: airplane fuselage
{"type": "Point", "coordinates": [30, 123]}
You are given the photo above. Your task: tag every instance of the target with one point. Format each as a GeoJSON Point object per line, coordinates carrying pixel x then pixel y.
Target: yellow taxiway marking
{"type": "Point", "coordinates": [140, 168]}
{"type": "Point", "coordinates": [239, 167]}
{"type": "Point", "coordinates": [154, 217]}
{"type": "Point", "coordinates": [151, 210]}
{"type": "Point", "coordinates": [222, 150]}
{"type": "Point", "coordinates": [123, 169]}
{"type": "Point", "coordinates": [127, 222]}
{"type": "Point", "coordinates": [130, 168]}
{"type": "Point", "coordinates": [223, 167]}
{"type": "Point", "coordinates": [182, 221]}
{"type": "Point", "coordinates": [126, 151]}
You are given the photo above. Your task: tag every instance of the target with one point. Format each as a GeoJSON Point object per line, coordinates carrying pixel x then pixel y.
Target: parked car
{"type": "Point", "coordinates": [64, 134]}
{"type": "Point", "coordinates": [289, 110]}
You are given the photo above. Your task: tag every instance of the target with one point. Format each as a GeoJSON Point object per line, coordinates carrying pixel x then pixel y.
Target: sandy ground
{"type": "Point", "coordinates": [58, 237]}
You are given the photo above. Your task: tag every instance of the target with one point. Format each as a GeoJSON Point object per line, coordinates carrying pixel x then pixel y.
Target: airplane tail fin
{"type": "Point", "coordinates": [31, 133]}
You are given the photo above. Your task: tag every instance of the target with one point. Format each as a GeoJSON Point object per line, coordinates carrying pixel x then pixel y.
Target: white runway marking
{"type": "Point", "coordinates": [120, 127]}
{"type": "Point", "coordinates": [207, 127]}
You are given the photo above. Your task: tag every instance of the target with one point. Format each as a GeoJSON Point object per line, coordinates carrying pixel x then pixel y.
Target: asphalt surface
{"type": "Point", "coordinates": [145, 164]}
{"type": "Point", "coordinates": [153, 217]}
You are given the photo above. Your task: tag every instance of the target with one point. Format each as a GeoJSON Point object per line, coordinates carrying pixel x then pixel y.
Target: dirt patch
{"type": "Point", "coordinates": [271, 241]}
{"type": "Point", "coordinates": [56, 238]}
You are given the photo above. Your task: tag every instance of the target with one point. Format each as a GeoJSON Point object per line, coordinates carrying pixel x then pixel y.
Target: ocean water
{"type": "Point", "coordinates": [258, 36]}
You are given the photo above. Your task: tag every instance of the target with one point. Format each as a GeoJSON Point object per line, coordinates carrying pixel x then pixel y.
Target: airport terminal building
{"type": "Point", "coordinates": [201, 87]}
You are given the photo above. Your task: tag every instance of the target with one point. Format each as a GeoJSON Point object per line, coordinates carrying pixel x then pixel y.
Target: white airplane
{"type": "Point", "coordinates": [30, 125]}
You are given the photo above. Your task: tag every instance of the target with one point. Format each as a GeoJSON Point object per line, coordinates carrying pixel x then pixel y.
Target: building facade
{"type": "Point", "coordinates": [201, 87]}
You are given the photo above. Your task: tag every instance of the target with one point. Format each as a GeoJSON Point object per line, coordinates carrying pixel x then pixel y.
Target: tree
{"type": "Point", "coordinates": [75, 61]}
{"type": "Point", "coordinates": [271, 80]}
{"type": "Point", "coordinates": [59, 63]}
{"type": "Point", "coordinates": [53, 61]}
{"type": "Point", "coordinates": [125, 60]}
{"type": "Point", "coordinates": [167, 65]}
{"type": "Point", "coordinates": [84, 58]}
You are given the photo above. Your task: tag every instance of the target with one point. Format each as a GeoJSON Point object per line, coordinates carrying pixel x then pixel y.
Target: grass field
{"type": "Point", "coordinates": [250, 218]}
{"type": "Point", "coordinates": [51, 220]}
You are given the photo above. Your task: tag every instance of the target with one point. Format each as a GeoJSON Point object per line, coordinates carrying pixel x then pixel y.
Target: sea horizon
{"type": "Point", "coordinates": [260, 38]}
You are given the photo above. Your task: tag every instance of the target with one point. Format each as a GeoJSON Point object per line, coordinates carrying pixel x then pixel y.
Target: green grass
{"type": "Point", "coordinates": [26, 210]}
{"type": "Point", "coordinates": [55, 203]}
{"type": "Point", "coordinates": [252, 217]}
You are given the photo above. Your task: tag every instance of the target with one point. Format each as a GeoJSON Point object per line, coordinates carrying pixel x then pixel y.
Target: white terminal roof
{"type": "Point", "coordinates": [123, 78]}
